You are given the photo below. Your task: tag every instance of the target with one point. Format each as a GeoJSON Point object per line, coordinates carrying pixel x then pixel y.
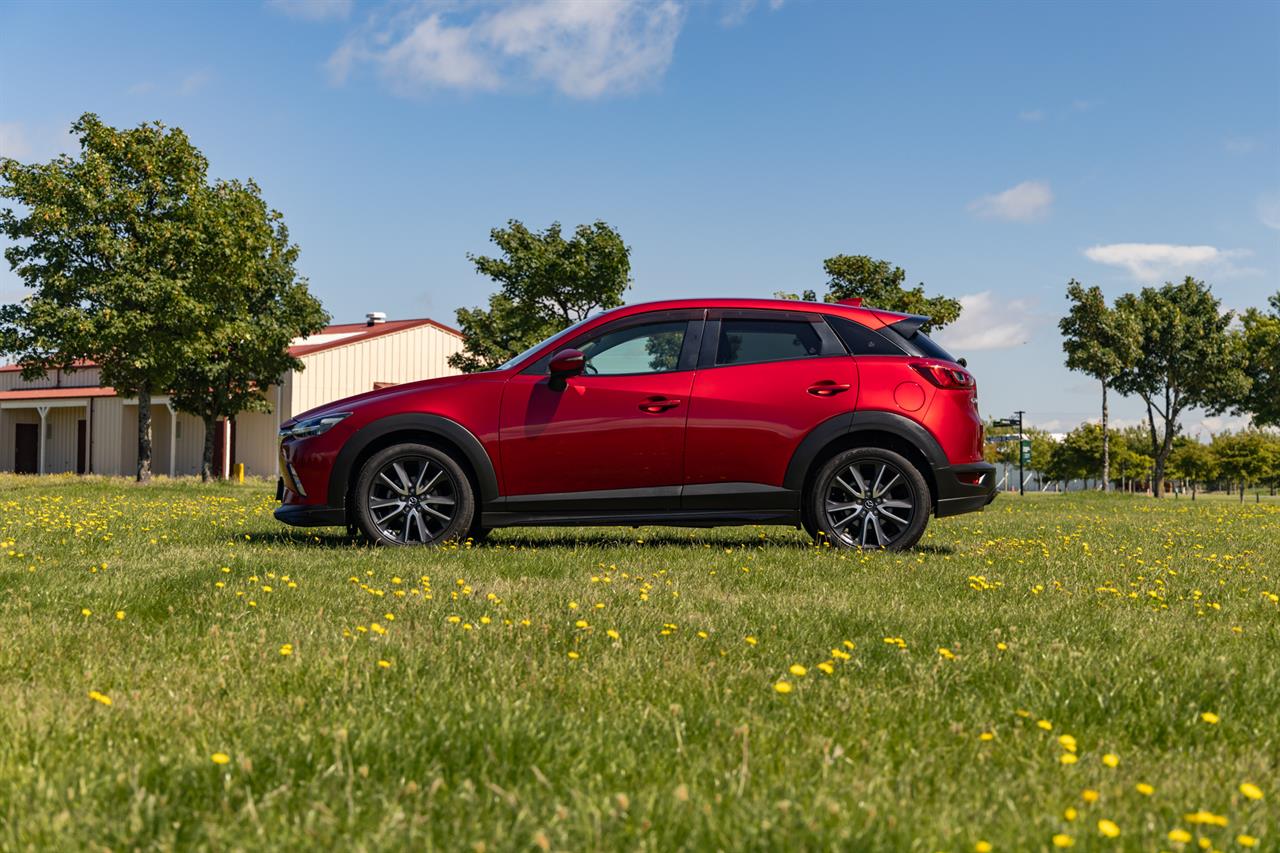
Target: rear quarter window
{"type": "Point", "coordinates": [860, 340]}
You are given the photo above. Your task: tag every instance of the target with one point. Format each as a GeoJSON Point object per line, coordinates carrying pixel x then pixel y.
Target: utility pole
{"type": "Point", "coordinates": [1022, 481]}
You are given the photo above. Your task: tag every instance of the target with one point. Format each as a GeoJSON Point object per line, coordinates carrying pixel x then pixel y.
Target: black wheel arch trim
{"type": "Point", "coordinates": [851, 423]}
{"type": "Point", "coordinates": [435, 425]}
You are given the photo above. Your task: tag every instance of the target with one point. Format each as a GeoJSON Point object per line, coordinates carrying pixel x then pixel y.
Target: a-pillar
{"type": "Point", "coordinates": [44, 414]}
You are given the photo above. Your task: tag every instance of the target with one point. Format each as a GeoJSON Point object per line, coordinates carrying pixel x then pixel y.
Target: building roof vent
{"type": "Point", "coordinates": [376, 318]}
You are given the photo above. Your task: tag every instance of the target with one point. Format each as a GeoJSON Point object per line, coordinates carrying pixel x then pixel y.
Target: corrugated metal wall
{"type": "Point", "coordinates": [11, 380]}
{"type": "Point", "coordinates": [417, 353]}
{"type": "Point", "coordinates": [108, 436]}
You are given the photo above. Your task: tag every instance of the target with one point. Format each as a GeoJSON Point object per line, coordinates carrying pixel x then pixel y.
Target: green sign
{"type": "Point", "coordinates": [1026, 450]}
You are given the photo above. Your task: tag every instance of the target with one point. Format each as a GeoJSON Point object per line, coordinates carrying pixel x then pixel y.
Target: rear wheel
{"type": "Point", "coordinates": [412, 494]}
{"type": "Point", "coordinates": [869, 498]}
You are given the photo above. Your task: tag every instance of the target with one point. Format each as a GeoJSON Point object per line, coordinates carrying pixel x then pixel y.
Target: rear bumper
{"type": "Point", "coordinates": [311, 515]}
{"type": "Point", "coordinates": [964, 488]}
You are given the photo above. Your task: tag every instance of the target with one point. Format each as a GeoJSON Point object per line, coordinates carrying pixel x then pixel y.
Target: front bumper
{"type": "Point", "coordinates": [964, 488]}
{"type": "Point", "coordinates": [311, 515]}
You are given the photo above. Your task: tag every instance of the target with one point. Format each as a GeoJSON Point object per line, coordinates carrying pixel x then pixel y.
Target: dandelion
{"type": "Point", "coordinates": [1108, 828]}
{"type": "Point", "coordinates": [826, 667]}
{"type": "Point", "coordinates": [1063, 840]}
{"type": "Point", "coordinates": [574, 655]}
{"type": "Point", "coordinates": [1068, 742]}
{"type": "Point", "coordinates": [1210, 718]}
{"type": "Point", "coordinates": [946, 654]}
{"type": "Point", "coordinates": [797, 670]}
{"type": "Point", "coordinates": [612, 634]}
{"type": "Point", "coordinates": [220, 758]}
{"type": "Point", "coordinates": [1068, 758]}
{"type": "Point", "coordinates": [1111, 760]}
{"type": "Point", "coordinates": [286, 649]}
{"type": "Point", "coordinates": [982, 847]}
{"type": "Point", "coordinates": [1070, 813]}
{"type": "Point", "coordinates": [783, 687]}
{"type": "Point", "coordinates": [1046, 725]}
{"type": "Point", "coordinates": [1246, 840]}
{"type": "Point", "coordinates": [120, 614]}
{"type": "Point", "coordinates": [84, 611]}
{"type": "Point", "coordinates": [1179, 836]}
{"type": "Point", "coordinates": [1089, 795]}
{"type": "Point", "coordinates": [987, 736]}
{"type": "Point", "coordinates": [100, 697]}
{"type": "Point", "coordinates": [581, 623]}
{"type": "Point", "coordinates": [385, 664]}
{"type": "Point", "coordinates": [1204, 817]}
{"type": "Point", "coordinates": [1002, 647]}
{"type": "Point", "coordinates": [1251, 790]}
{"type": "Point", "coordinates": [1144, 789]}
{"type": "Point", "coordinates": [751, 641]}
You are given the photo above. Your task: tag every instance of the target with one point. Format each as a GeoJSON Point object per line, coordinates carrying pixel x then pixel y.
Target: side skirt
{"type": "Point", "coordinates": [698, 505]}
{"type": "Point", "coordinates": [664, 518]}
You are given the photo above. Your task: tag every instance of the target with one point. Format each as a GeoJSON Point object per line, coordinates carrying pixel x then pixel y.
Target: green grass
{"type": "Point", "coordinates": [1124, 620]}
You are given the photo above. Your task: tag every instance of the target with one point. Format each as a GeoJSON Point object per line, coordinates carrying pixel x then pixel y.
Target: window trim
{"type": "Point", "coordinates": [831, 344]}
{"type": "Point", "coordinates": [693, 333]}
{"type": "Point", "coordinates": [894, 341]}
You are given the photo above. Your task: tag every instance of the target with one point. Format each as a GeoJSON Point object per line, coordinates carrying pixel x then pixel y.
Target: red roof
{"type": "Point", "coordinates": [56, 393]}
{"type": "Point", "coordinates": [351, 333]}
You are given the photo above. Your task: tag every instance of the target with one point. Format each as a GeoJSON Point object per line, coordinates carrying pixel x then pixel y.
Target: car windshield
{"type": "Point", "coordinates": [516, 359]}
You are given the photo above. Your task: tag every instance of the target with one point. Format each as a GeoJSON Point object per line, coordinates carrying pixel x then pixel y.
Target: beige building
{"type": "Point", "coordinates": [67, 421]}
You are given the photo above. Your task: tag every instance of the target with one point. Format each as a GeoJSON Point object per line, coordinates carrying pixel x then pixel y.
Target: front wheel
{"type": "Point", "coordinates": [413, 494]}
{"type": "Point", "coordinates": [869, 498]}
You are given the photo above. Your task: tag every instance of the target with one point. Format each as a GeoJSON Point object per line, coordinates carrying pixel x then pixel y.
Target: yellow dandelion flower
{"type": "Point", "coordinates": [120, 614]}
{"type": "Point", "coordinates": [286, 650]}
{"type": "Point", "coordinates": [987, 736]}
{"type": "Point", "coordinates": [1210, 718]}
{"type": "Point", "coordinates": [1108, 828]}
{"type": "Point", "coordinates": [220, 758]}
{"type": "Point", "coordinates": [84, 611]}
{"type": "Point", "coordinates": [1179, 836]}
{"type": "Point", "coordinates": [574, 655]}
{"type": "Point", "coordinates": [385, 664]}
{"type": "Point", "coordinates": [1204, 817]}
{"type": "Point", "coordinates": [751, 641]}
{"type": "Point", "coordinates": [1068, 758]}
{"type": "Point", "coordinates": [849, 644]}
{"type": "Point", "coordinates": [453, 620]}
{"type": "Point", "coordinates": [1070, 813]}
{"type": "Point", "coordinates": [1063, 840]}
{"type": "Point", "coordinates": [1089, 795]}
{"type": "Point", "coordinates": [826, 667]}
{"type": "Point", "coordinates": [783, 687]}
{"type": "Point", "coordinates": [1144, 789]}
{"type": "Point", "coordinates": [946, 654]}
{"type": "Point", "coordinates": [983, 847]}
{"type": "Point", "coordinates": [612, 634]}
{"type": "Point", "coordinates": [1068, 742]}
{"type": "Point", "coordinates": [1246, 840]}
{"type": "Point", "coordinates": [581, 623]}
{"type": "Point", "coordinates": [797, 670]}
{"type": "Point", "coordinates": [1046, 725]}
{"type": "Point", "coordinates": [100, 697]}
{"type": "Point", "coordinates": [1002, 647]}
{"type": "Point", "coordinates": [1111, 760]}
{"type": "Point", "coordinates": [1251, 790]}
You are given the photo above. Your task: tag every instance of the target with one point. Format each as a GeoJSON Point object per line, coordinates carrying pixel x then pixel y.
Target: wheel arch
{"type": "Point", "coordinates": [866, 429]}
{"type": "Point", "coordinates": [432, 430]}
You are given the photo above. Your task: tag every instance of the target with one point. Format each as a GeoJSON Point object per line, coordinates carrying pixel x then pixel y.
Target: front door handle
{"type": "Point", "coordinates": [655, 405]}
{"type": "Point", "coordinates": [827, 388]}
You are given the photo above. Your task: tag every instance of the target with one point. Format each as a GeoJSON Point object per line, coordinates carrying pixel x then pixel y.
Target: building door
{"type": "Point", "coordinates": [26, 449]}
{"type": "Point", "coordinates": [82, 448]}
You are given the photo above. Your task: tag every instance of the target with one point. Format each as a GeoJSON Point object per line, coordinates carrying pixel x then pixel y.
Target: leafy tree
{"type": "Point", "coordinates": [1243, 456]}
{"type": "Point", "coordinates": [1100, 343]}
{"type": "Point", "coordinates": [881, 284]}
{"type": "Point", "coordinates": [547, 283]}
{"type": "Point", "coordinates": [244, 274]}
{"type": "Point", "coordinates": [1081, 451]}
{"type": "Point", "coordinates": [1194, 461]}
{"type": "Point", "coordinates": [102, 239]}
{"type": "Point", "coordinates": [1129, 454]}
{"type": "Point", "coordinates": [1185, 358]}
{"type": "Point", "coordinates": [1260, 346]}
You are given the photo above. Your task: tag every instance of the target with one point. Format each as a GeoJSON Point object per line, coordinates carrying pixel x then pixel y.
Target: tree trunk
{"type": "Point", "coordinates": [206, 461]}
{"type": "Point", "coordinates": [144, 435]}
{"type": "Point", "coordinates": [1106, 443]}
{"type": "Point", "coordinates": [1193, 490]}
{"type": "Point", "coordinates": [1242, 491]}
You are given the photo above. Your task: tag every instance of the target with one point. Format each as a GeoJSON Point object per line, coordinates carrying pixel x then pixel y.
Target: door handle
{"type": "Point", "coordinates": [656, 405]}
{"type": "Point", "coordinates": [827, 388]}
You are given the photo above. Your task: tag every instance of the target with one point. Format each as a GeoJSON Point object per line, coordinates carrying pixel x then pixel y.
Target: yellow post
{"type": "Point", "coordinates": [239, 472]}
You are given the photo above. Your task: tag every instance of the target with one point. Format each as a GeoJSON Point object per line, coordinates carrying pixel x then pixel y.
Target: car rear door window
{"type": "Point", "coordinates": [752, 341]}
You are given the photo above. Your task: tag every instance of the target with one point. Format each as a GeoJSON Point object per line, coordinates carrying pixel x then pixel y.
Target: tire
{"type": "Point", "coordinates": [413, 494]}
{"type": "Point", "coordinates": [477, 534]}
{"type": "Point", "coordinates": [869, 498]}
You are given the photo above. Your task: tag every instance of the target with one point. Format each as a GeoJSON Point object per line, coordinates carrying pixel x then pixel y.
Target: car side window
{"type": "Point", "coordinates": [860, 340]}
{"type": "Point", "coordinates": [752, 341]}
{"type": "Point", "coordinates": [645, 348]}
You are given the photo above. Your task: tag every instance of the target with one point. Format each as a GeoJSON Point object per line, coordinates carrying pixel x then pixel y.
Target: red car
{"type": "Point", "coordinates": [843, 420]}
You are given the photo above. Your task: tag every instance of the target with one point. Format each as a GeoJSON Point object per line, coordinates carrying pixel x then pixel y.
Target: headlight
{"type": "Point", "coordinates": [314, 426]}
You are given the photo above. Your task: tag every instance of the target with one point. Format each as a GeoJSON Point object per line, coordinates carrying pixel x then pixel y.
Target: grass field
{"type": "Point", "coordinates": [177, 669]}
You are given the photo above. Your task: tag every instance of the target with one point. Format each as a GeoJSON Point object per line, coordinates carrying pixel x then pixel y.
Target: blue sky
{"type": "Point", "coordinates": [992, 150]}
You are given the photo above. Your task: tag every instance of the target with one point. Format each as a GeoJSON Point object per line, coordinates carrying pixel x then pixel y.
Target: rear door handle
{"type": "Point", "coordinates": [827, 388]}
{"type": "Point", "coordinates": [655, 405]}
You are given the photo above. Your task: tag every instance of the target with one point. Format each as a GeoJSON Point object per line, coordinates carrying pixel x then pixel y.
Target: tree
{"type": "Point", "coordinates": [880, 284]}
{"type": "Point", "coordinates": [1081, 451]}
{"type": "Point", "coordinates": [547, 284]}
{"type": "Point", "coordinates": [1194, 461]}
{"type": "Point", "coordinates": [1260, 346]}
{"type": "Point", "coordinates": [1098, 342]}
{"type": "Point", "coordinates": [244, 275]}
{"type": "Point", "coordinates": [1243, 456]}
{"type": "Point", "coordinates": [1185, 358]}
{"type": "Point", "coordinates": [102, 241]}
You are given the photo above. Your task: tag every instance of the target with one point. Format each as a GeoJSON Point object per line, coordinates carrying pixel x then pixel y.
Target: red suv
{"type": "Point", "coordinates": [844, 420]}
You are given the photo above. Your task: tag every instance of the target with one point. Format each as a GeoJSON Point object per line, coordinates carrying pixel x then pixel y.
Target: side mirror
{"type": "Point", "coordinates": [566, 363]}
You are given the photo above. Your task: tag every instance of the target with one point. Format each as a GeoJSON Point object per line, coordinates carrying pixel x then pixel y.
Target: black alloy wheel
{"type": "Point", "coordinates": [412, 494]}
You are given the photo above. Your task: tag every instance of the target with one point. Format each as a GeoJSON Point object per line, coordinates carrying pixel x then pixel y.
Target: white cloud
{"type": "Point", "coordinates": [1241, 144]}
{"type": "Point", "coordinates": [1154, 261]}
{"type": "Point", "coordinates": [1269, 210]}
{"type": "Point", "coordinates": [582, 48]}
{"type": "Point", "coordinates": [1031, 115]}
{"type": "Point", "coordinates": [988, 322]}
{"type": "Point", "coordinates": [193, 83]}
{"type": "Point", "coordinates": [312, 10]}
{"type": "Point", "coordinates": [1028, 201]}
{"type": "Point", "coordinates": [13, 140]}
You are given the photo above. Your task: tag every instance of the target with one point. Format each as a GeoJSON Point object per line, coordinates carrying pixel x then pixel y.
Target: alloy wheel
{"type": "Point", "coordinates": [412, 500]}
{"type": "Point", "coordinates": [869, 504]}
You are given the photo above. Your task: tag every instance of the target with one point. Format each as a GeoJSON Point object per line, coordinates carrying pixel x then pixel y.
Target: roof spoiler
{"type": "Point", "coordinates": [909, 325]}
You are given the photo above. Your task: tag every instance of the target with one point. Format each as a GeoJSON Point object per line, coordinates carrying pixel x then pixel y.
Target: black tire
{"type": "Point", "coordinates": [477, 534]}
{"type": "Point", "coordinates": [869, 498]}
{"type": "Point", "coordinates": [412, 494]}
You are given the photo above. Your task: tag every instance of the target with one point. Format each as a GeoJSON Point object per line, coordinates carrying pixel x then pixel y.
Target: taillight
{"type": "Point", "coordinates": [944, 375]}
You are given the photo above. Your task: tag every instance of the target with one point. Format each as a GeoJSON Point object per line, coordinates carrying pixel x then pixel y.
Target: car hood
{"type": "Point", "coordinates": [356, 401]}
